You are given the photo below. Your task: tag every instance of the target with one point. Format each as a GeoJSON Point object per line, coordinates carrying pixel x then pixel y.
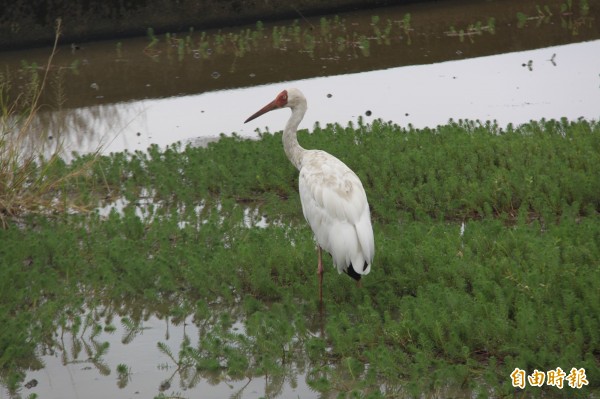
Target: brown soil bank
{"type": "Point", "coordinates": [31, 23]}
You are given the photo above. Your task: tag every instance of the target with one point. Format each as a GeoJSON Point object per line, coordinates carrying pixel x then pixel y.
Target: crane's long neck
{"type": "Point", "coordinates": [292, 148]}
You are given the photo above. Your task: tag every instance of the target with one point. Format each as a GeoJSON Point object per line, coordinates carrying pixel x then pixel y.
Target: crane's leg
{"type": "Point", "coordinates": [320, 273]}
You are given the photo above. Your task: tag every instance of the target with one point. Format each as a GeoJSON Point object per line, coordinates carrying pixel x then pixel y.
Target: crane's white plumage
{"type": "Point", "coordinates": [333, 199]}
{"type": "Point", "coordinates": [335, 205]}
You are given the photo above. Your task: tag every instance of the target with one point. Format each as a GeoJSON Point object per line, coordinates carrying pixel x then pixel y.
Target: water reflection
{"type": "Point", "coordinates": [87, 129]}
{"type": "Point", "coordinates": [514, 88]}
{"type": "Point", "coordinates": [193, 62]}
{"type": "Point", "coordinates": [163, 88]}
{"type": "Point", "coordinates": [217, 354]}
{"type": "Point", "coordinates": [130, 350]}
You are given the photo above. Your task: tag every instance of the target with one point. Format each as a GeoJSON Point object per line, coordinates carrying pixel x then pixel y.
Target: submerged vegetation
{"type": "Point", "coordinates": [337, 37]}
{"type": "Point", "coordinates": [194, 60]}
{"type": "Point", "coordinates": [488, 249]}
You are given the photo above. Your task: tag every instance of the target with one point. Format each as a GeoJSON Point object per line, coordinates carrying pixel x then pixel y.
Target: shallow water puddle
{"type": "Point", "coordinates": [88, 364]}
{"type": "Point", "coordinates": [146, 210]}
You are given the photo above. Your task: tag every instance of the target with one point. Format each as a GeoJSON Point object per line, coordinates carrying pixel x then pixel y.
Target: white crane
{"type": "Point", "coordinates": [333, 199]}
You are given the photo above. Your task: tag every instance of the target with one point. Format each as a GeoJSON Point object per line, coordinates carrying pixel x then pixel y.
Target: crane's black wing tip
{"type": "Point", "coordinates": [352, 273]}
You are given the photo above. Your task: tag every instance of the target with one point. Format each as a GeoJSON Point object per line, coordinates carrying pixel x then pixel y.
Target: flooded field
{"type": "Point", "coordinates": [422, 64]}
{"type": "Point", "coordinates": [247, 325]}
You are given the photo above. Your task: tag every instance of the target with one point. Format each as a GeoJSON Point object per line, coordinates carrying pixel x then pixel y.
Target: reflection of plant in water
{"type": "Point", "coordinates": [381, 35]}
{"type": "Point", "coordinates": [336, 38]}
{"type": "Point", "coordinates": [42, 128]}
{"type": "Point", "coordinates": [332, 37]}
{"type": "Point", "coordinates": [270, 347]}
{"type": "Point", "coordinates": [123, 375]}
{"type": "Point", "coordinates": [569, 18]}
{"type": "Point", "coordinates": [132, 329]}
{"type": "Point", "coordinates": [150, 49]}
{"type": "Point", "coordinates": [71, 329]}
{"type": "Point", "coordinates": [476, 28]}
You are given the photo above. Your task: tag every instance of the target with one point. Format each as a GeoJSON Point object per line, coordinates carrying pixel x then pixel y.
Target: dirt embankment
{"type": "Point", "coordinates": [31, 23]}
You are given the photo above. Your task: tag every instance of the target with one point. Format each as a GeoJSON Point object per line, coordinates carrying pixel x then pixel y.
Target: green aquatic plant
{"type": "Point", "coordinates": [364, 45]}
{"type": "Point", "coordinates": [150, 49]}
{"type": "Point", "coordinates": [567, 6]}
{"type": "Point", "coordinates": [276, 37]}
{"type": "Point", "coordinates": [387, 32]}
{"type": "Point", "coordinates": [521, 19]}
{"type": "Point", "coordinates": [405, 23]}
{"type": "Point", "coordinates": [491, 25]}
{"type": "Point", "coordinates": [324, 25]}
{"type": "Point", "coordinates": [287, 37]}
{"type": "Point", "coordinates": [327, 40]}
{"type": "Point", "coordinates": [376, 31]}
{"type": "Point", "coordinates": [573, 21]}
{"type": "Point", "coordinates": [153, 39]}
{"type": "Point", "coordinates": [123, 375]}
{"type": "Point", "coordinates": [474, 29]}
{"type": "Point", "coordinates": [584, 7]}
{"type": "Point", "coordinates": [570, 18]}
{"type": "Point", "coordinates": [544, 12]}
{"type": "Point", "coordinates": [444, 306]}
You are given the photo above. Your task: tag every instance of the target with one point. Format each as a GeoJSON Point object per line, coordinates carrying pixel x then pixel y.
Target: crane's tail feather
{"type": "Point", "coordinates": [357, 276]}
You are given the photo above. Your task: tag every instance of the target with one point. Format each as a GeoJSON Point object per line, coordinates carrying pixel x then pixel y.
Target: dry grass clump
{"type": "Point", "coordinates": [29, 160]}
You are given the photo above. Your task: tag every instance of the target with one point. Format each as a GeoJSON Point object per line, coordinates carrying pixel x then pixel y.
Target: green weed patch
{"type": "Point", "coordinates": [441, 310]}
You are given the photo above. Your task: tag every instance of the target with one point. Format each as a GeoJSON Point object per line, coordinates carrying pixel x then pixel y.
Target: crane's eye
{"type": "Point", "coordinates": [282, 99]}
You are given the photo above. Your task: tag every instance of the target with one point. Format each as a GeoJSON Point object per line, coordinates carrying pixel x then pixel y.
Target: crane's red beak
{"type": "Point", "coordinates": [280, 101]}
{"type": "Point", "coordinates": [269, 107]}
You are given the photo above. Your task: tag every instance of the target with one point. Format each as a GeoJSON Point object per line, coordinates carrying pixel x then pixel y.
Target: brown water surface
{"type": "Point", "coordinates": [109, 92]}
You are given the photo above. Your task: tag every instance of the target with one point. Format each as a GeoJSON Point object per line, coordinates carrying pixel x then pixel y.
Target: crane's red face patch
{"type": "Point", "coordinates": [282, 99]}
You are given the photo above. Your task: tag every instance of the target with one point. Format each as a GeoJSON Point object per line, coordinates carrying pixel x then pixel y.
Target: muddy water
{"type": "Point", "coordinates": [419, 64]}
{"type": "Point", "coordinates": [190, 85]}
